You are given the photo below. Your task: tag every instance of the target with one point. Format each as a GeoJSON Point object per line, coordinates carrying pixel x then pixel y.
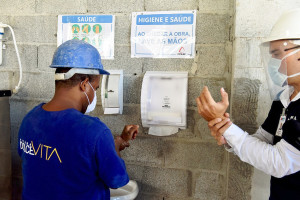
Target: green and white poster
{"type": "Point", "coordinates": [98, 30]}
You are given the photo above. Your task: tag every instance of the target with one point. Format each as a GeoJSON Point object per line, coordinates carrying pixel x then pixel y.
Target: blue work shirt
{"type": "Point", "coordinates": [68, 155]}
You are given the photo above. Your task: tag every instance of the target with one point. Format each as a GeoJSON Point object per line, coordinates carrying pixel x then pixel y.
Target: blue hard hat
{"type": "Point", "coordinates": [77, 54]}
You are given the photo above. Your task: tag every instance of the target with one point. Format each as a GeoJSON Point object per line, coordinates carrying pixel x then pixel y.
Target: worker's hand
{"type": "Point", "coordinates": [130, 132]}
{"type": "Point", "coordinates": [218, 127]}
{"type": "Point", "coordinates": [208, 108]}
{"type": "Point", "coordinates": [120, 143]}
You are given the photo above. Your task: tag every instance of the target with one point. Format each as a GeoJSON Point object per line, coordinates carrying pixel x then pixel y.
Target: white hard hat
{"type": "Point", "coordinates": [286, 27]}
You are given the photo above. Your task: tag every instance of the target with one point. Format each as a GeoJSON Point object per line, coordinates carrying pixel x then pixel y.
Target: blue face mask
{"type": "Point", "coordinates": [273, 69]}
{"type": "Point", "coordinates": [277, 77]}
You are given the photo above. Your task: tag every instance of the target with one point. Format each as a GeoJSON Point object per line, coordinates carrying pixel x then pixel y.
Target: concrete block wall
{"type": "Point", "coordinates": [188, 165]}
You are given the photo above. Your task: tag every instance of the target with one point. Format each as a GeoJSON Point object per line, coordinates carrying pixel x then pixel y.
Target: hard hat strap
{"type": "Point", "coordinates": [71, 72]}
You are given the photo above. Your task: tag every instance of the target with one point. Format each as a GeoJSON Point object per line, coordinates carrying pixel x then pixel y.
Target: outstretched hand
{"type": "Point", "coordinates": [208, 108]}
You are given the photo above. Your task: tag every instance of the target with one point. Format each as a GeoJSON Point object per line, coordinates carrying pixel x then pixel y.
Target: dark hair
{"type": "Point", "coordinates": [74, 80]}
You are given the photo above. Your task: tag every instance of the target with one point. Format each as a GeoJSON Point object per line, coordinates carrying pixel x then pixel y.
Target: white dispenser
{"type": "Point", "coordinates": [112, 92]}
{"type": "Point", "coordinates": [164, 102]}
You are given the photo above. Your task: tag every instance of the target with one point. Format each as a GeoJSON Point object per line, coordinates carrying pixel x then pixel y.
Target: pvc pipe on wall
{"type": "Point", "coordinates": [1, 36]}
{"type": "Point", "coordinates": [2, 26]}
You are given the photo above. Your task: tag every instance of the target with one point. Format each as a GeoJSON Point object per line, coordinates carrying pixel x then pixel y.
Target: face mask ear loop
{"type": "Point", "coordinates": [87, 98]}
{"type": "Point", "coordinates": [86, 94]}
{"type": "Point", "coordinates": [91, 86]}
{"type": "Point", "coordinates": [289, 54]}
{"type": "Point", "coordinates": [291, 76]}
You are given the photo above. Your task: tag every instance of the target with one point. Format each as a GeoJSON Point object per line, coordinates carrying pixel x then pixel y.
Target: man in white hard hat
{"type": "Point", "coordinates": [66, 154]}
{"type": "Point", "coordinates": [275, 147]}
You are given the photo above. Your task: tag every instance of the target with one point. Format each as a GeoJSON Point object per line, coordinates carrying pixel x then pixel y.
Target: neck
{"type": "Point", "coordinates": [296, 91]}
{"type": "Point", "coordinates": [64, 98]}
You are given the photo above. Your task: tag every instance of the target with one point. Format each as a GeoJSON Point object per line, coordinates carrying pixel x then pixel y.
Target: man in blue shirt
{"type": "Point", "coordinates": [65, 153]}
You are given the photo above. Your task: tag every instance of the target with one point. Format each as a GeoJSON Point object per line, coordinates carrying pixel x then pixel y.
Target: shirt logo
{"type": "Point", "coordinates": [292, 118]}
{"type": "Point", "coordinates": [29, 149]}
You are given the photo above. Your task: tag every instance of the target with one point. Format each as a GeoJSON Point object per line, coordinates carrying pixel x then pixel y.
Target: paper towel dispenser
{"type": "Point", "coordinates": [164, 99]}
{"type": "Point", "coordinates": [112, 92]}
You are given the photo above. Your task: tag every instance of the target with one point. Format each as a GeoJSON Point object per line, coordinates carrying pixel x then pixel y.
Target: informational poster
{"type": "Point", "coordinates": [169, 34]}
{"type": "Point", "coordinates": [98, 30]}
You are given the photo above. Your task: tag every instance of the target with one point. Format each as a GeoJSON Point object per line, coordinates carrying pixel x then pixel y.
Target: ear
{"type": "Point", "coordinates": [83, 84]}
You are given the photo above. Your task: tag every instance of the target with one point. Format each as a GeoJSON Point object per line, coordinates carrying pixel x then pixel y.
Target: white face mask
{"type": "Point", "coordinates": [273, 67]}
{"type": "Point", "coordinates": [92, 105]}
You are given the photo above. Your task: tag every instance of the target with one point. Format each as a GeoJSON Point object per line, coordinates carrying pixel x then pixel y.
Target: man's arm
{"type": "Point", "coordinates": [277, 160]}
{"type": "Point", "coordinates": [111, 168]}
{"type": "Point", "coordinates": [218, 127]}
{"type": "Point", "coordinates": [263, 135]}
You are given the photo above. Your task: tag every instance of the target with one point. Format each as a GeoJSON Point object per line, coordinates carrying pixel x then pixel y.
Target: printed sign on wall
{"type": "Point", "coordinates": [98, 30]}
{"type": "Point", "coordinates": [169, 34]}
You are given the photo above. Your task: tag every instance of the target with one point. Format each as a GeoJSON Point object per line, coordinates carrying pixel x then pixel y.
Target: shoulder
{"type": "Point", "coordinates": [33, 112]}
{"type": "Point", "coordinates": [296, 103]}
{"type": "Point", "coordinates": [276, 105]}
{"type": "Point", "coordinates": [36, 109]}
{"type": "Point", "coordinates": [94, 127]}
{"type": "Point", "coordinates": [276, 108]}
{"type": "Point", "coordinates": [92, 122]}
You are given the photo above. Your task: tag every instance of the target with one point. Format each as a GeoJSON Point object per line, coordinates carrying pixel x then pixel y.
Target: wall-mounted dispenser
{"type": "Point", "coordinates": [2, 26]}
{"type": "Point", "coordinates": [112, 92]}
{"type": "Point", "coordinates": [164, 102]}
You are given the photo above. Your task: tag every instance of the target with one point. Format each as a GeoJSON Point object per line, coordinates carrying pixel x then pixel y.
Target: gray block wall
{"type": "Point", "coordinates": [188, 165]}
